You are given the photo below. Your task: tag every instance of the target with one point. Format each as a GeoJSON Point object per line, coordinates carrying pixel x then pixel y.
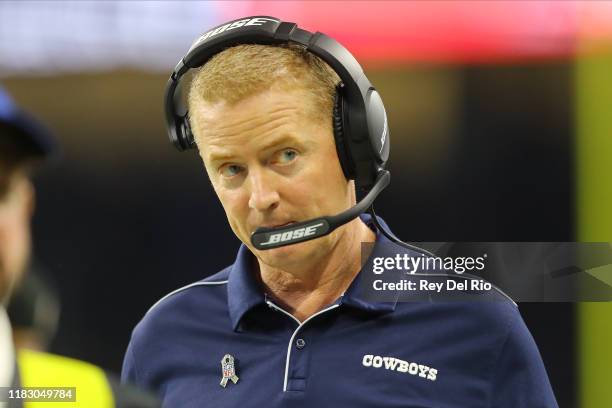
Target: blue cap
{"type": "Point", "coordinates": [29, 132]}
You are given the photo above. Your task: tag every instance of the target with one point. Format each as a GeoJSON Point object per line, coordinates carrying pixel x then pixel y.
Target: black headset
{"type": "Point", "coordinates": [360, 125]}
{"type": "Point", "coordinates": [361, 132]}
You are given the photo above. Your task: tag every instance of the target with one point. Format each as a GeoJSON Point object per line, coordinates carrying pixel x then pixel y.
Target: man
{"type": "Point", "coordinates": [16, 207]}
{"type": "Point", "coordinates": [290, 326]}
{"type": "Point", "coordinates": [24, 145]}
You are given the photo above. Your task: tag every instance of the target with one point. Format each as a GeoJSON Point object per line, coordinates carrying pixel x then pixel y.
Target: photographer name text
{"type": "Point", "coordinates": [426, 285]}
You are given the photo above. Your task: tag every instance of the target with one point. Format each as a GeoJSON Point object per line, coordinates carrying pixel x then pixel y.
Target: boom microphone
{"type": "Point", "coordinates": [268, 238]}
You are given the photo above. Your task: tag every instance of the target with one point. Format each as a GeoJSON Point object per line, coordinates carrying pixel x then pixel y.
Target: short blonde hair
{"type": "Point", "coordinates": [246, 70]}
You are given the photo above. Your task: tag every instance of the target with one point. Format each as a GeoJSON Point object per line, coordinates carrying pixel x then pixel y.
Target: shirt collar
{"type": "Point", "coordinates": [243, 288]}
{"type": "Point", "coordinates": [354, 295]}
{"type": "Point", "coordinates": [245, 292]}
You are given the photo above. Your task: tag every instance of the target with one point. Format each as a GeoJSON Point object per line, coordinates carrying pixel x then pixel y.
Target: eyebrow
{"type": "Point", "coordinates": [216, 155]}
{"type": "Point", "coordinates": [285, 138]}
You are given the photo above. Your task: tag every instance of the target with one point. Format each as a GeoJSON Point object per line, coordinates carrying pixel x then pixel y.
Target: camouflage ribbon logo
{"type": "Point", "coordinates": [229, 370]}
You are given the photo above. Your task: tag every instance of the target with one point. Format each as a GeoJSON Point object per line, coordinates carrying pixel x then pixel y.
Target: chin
{"type": "Point", "coordinates": [291, 254]}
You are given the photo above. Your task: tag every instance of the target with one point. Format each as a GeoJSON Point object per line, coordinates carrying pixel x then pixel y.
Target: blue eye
{"type": "Point", "coordinates": [287, 156]}
{"type": "Point", "coordinates": [230, 170]}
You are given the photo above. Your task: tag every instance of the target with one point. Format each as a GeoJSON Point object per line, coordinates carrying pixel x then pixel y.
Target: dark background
{"type": "Point", "coordinates": [479, 153]}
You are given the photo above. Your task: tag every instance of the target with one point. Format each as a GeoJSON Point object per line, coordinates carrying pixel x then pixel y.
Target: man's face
{"type": "Point", "coordinates": [16, 207]}
{"type": "Point", "coordinates": [271, 164]}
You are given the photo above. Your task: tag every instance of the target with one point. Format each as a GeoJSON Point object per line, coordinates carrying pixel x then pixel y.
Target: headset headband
{"type": "Point", "coordinates": [363, 119]}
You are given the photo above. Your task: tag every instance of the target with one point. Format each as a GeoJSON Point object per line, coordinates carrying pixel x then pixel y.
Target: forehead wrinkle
{"type": "Point", "coordinates": [235, 134]}
{"type": "Point", "coordinates": [261, 123]}
{"type": "Point", "coordinates": [276, 113]}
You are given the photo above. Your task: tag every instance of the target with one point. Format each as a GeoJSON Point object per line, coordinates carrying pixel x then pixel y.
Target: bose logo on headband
{"type": "Point", "coordinates": [257, 21]}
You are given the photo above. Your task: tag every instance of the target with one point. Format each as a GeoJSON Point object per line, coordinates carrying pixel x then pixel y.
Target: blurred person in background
{"type": "Point", "coordinates": [34, 311]}
{"type": "Point", "coordinates": [24, 145]}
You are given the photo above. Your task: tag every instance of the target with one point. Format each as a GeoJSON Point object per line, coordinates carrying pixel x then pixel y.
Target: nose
{"type": "Point", "coordinates": [264, 195]}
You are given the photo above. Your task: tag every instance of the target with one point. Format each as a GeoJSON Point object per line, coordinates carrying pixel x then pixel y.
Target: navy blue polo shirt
{"type": "Point", "coordinates": [353, 353]}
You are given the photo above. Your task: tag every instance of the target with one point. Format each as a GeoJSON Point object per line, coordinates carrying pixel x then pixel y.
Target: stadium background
{"type": "Point", "coordinates": [500, 126]}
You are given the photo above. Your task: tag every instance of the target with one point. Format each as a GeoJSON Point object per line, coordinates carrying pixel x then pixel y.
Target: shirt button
{"type": "Point", "coordinates": [300, 343]}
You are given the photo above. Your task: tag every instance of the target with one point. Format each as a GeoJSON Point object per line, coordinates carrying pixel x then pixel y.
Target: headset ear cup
{"type": "Point", "coordinates": [342, 149]}
{"type": "Point", "coordinates": [186, 135]}
{"type": "Point", "coordinates": [378, 129]}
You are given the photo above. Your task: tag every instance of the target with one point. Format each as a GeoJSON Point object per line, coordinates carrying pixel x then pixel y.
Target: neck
{"type": "Point", "coordinates": [305, 289]}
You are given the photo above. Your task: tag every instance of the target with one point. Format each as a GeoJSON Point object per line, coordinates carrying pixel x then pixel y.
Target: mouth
{"type": "Point", "coordinates": [277, 225]}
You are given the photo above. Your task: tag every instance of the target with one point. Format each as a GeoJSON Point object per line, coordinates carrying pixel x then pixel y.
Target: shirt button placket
{"type": "Point", "coordinates": [298, 370]}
